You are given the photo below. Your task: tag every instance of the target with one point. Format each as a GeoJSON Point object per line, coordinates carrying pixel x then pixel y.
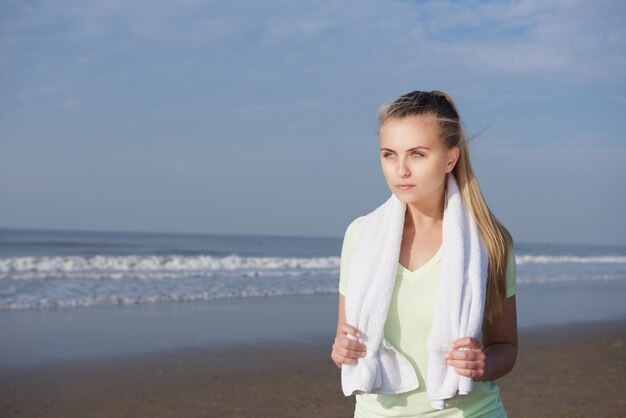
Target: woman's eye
{"type": "Point", "coordinates": [387, 155]}
{"type": "Point", "coordinates": [417, 154]}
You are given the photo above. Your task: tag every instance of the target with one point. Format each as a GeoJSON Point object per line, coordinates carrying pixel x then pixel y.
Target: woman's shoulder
{"type": "Point", "coordinates": [352, 231]}
{"type": "Point", "coordinates": [356, 223]}
{"type": "Point", "coordinates": [353, 228]}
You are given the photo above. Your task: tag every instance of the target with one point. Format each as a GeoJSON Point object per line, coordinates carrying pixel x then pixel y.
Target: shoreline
{"type": "Point", "coordinates": [39, 337]}
{"type": "Point", "coordinates": [564, 370]}
{"type": "Point", "coordinates": [49, 336]}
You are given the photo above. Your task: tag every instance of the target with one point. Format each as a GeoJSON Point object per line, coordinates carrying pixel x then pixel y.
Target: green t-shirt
{"type": "Point", "coordinates": [408, 324]}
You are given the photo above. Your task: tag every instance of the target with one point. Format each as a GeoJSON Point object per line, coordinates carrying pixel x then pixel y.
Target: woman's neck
{"type": "Point", "coordinates": [424, 216]}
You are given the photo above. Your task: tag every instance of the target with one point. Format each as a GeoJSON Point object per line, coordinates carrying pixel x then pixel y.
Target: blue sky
{"type": "Point", "coordinates": [252, 117]}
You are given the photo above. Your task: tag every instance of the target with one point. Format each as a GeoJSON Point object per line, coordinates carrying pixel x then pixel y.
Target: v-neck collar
{"type": "Point", "coordinates": [426, 265]}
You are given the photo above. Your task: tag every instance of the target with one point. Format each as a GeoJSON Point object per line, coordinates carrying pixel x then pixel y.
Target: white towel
{"type": "Point", "coordinates": [459, 307]}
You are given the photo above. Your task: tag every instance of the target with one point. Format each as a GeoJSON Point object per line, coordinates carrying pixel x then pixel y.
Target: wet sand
{"type": "Point", "coordinates": [562, 371]}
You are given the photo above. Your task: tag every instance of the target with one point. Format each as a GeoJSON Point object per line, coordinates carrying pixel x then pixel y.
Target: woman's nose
{"type": "Point", "coordinates": [402, 169]}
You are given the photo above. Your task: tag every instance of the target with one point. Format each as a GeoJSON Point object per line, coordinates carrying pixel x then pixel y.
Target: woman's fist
{"type": "Point", "coordinates": [347, 349]}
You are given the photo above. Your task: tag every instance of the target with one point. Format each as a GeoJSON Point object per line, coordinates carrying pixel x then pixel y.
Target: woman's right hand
{"type": "Point", "coordinates": [347, 349]}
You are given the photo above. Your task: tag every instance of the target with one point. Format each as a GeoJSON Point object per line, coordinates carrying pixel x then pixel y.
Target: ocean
{"type": "Point", "coordinates": [68, 294]}
{"type": "Point", "coordinates": [54, 269]}
{"type": "Point", "coordinates": [63, 269]}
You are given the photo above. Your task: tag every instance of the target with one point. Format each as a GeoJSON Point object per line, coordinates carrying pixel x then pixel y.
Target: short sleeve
{"type": "Point", "coordinates": [511, 273]}
{"type": "Point", "coordinates": [346, 252]}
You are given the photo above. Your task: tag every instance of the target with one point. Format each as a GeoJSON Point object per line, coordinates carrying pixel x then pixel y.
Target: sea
{"type": "Point", "coordinates": [58, 286]}
{"type": "Point", "coordinates": [71, 269]}
{"type": "Point", "coordinates": [61, 269]}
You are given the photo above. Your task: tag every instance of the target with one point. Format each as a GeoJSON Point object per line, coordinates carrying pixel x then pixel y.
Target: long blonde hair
{"type": "Point", "coordinates": [496, 238]}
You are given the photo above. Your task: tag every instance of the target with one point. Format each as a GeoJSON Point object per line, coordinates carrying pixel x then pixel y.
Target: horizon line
{"type": "Point", "coordinates": [153, 232]}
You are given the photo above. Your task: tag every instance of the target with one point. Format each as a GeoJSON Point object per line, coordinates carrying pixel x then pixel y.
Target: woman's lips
{"type": "Point", "coordinates": [405, 186]}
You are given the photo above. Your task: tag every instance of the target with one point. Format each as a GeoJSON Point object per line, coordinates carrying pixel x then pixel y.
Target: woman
{"type": "Point", "coordinates": [422, 142]}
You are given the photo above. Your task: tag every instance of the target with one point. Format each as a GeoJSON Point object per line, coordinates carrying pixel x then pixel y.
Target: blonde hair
{"type": "Point", "coordinates": [496, 238]}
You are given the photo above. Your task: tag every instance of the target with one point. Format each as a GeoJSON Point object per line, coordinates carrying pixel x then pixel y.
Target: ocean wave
{"type": "Point", "coordinates": [569, 259]}
{"type": "Point", "coordinates": [156, 263]}
{"type": "Point", "coordinates": [569, 278]}
{"type": "Point", "coordinates": [87, 301]}
{"type": "Point", "coordinates": [75, 294]}
{"type": "Point", "coordinates": [207, 263]}
{"type": "Point", "coordinates": [162, 275]}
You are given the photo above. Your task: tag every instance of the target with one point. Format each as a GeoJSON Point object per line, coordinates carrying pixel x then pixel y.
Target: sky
{"type": "Point", "coordinates": [249, 117]}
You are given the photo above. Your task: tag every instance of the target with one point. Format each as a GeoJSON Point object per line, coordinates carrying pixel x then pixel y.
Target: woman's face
{"type": "Point", "coordinates": [415, 159]}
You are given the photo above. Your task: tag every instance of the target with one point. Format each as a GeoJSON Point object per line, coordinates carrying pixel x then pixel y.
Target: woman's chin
{"type": "Point", "coordinates": [405, 196]}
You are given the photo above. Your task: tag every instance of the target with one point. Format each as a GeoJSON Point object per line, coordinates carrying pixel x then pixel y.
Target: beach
{"type": "Point", "coordinates": [160, 325]}
{"type": "Point", "coordinates": [574, 370]}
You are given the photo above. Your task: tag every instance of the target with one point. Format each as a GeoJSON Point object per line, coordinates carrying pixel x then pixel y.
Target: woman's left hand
{"type": "Point", "coordinates": [467, 357]}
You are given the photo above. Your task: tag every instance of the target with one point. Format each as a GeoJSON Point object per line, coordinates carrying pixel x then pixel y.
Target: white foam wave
{"type": "Point", "coordinates": [205, 264]}
{"type": "Point", "coordinates": [40, 267]}
{"type": "Point", "coordinates": [87, 301]}
{"type": "Point", "coordinates": [569, 279]}
{"type": "Point", "coordinates": [162, 275]}
{"type": "Point", "coordinates": [569, 259]}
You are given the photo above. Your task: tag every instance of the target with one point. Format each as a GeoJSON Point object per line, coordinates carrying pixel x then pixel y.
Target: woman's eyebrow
{"type": "Point", "coordinates": [409, 150]}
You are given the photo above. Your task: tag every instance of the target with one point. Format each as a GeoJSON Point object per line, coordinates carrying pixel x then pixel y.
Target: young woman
{"type": "Point", "coordinates": [421, 143]}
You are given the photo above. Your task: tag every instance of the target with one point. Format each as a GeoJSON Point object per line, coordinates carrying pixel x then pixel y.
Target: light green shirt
{"type": "Point", "coordinates": [408, 324]}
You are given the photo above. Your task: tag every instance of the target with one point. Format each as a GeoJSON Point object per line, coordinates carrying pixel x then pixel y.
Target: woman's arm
{"type": "Point", "coordinates": [346, 349]}
{"type": "Point", "coordinates": [496, 357]}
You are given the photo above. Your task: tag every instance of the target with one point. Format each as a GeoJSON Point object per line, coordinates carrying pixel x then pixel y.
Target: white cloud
{"type": "Point", "coordinates": [545, 39]}
{"type": "Point", "coordinates": [277, 85]}
{"type": "Point", "coordinates": [494, 38]}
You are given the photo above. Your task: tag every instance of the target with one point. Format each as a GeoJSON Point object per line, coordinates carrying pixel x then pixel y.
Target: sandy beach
{"type": "Point", "coordinates": [562, 371]}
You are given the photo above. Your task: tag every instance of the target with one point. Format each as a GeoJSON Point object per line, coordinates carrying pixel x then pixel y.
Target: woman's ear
{"type": "Point", "coordinates": [453, 157]}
